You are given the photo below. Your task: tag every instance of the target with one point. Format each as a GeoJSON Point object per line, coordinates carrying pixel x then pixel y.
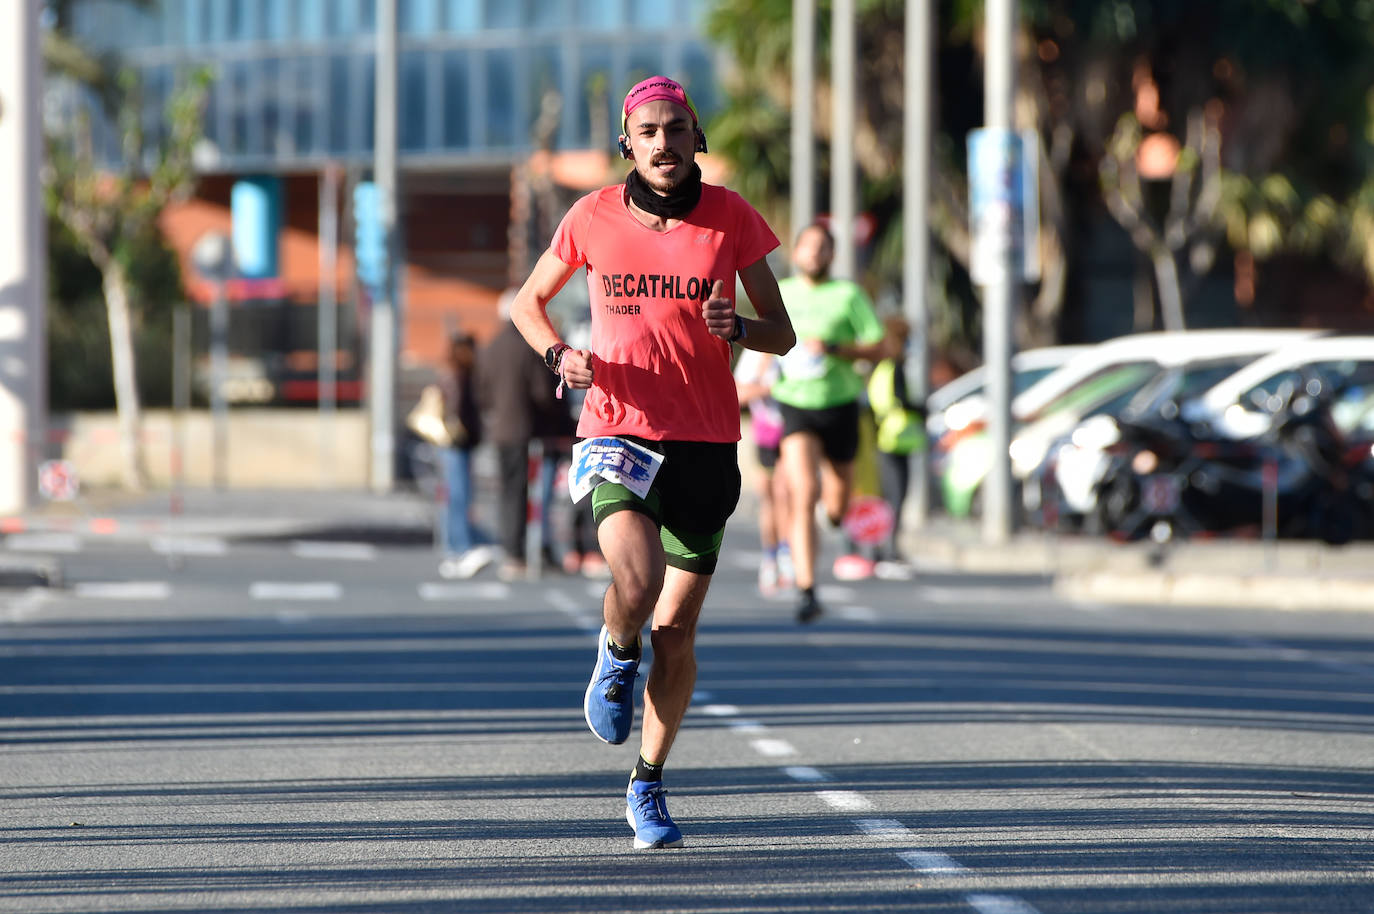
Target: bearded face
{"type": "Point", "coordinates": [663, 144]}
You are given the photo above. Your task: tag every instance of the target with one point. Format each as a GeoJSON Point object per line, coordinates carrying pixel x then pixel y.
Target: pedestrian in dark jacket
{"type": "Point", "coordinates": [516, 395]}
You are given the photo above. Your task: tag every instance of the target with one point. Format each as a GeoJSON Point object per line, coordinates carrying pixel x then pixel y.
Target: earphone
{"type": "Point", "coordinates": [624, 145]}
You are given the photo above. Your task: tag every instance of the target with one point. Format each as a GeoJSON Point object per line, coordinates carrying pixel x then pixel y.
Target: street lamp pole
{"type": "Point", "coordinates": [999, 294]}
{"type": "Point", "coordinates": [382, 347]}
{"type": "Point", "coordinates": [23, 257]}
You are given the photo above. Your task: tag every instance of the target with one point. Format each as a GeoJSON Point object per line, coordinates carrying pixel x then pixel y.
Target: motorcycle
{"type": "Point", "coordinates": [1303, 478]}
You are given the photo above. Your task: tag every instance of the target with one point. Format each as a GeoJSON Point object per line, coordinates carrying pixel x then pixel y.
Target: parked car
{"type": "Point", "coordinates": [961, 402]}
{"type": "Point", "coordinates": [1242, 405]}
{"type": "Point", "coordinates": [1063, 490]}
{"type": "Point", "coordinates": [1102, 378]}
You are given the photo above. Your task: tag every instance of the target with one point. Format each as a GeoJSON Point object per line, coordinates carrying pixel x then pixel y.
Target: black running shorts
{"type": "Point", "coordinates": [836, 426]}
{"type": "Point", "coordinates": [693, 495]}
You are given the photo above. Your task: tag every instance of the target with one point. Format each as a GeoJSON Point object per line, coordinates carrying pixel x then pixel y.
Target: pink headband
{"type": "Point", "coordinates": [656, 88]}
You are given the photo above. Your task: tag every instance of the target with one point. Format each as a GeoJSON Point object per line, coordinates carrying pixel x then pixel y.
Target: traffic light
{"type": "Point", "coordinates": [369, 244]}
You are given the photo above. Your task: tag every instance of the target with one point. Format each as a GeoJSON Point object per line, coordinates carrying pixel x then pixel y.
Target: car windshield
{"type": "Point", "coordinates": [1100, 386]}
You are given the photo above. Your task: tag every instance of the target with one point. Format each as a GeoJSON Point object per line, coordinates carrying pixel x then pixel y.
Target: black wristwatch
{"type": "Point", "coordinates": [554, 354]}
{"type": "Point", "coordinates": [740, 330]}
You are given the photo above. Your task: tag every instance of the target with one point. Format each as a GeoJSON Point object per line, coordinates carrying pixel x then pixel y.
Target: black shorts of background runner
{"type": "Point", "coordinates": [693, 494]}
{"type": "Point", "coordinates": [836, 426]}
{"type": "Point", "coordinates": [768, 456]}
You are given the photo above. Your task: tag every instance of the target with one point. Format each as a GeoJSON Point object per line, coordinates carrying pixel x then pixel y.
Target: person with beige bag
{"type": "Point", "coordinates": [448, 419]}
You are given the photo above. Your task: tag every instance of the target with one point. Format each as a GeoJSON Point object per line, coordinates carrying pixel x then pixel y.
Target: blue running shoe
{"type": "Point", "coordinates": [647, 812]}
{"type": "Point", "coordinates": [609, 704]}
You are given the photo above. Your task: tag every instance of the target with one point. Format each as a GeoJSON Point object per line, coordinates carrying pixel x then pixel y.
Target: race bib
{"type": "Point", "coordinates": [613, 459]}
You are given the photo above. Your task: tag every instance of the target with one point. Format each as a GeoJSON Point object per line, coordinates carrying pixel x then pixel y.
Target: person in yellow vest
{"type": "Point", "coordinates": [900, 432]}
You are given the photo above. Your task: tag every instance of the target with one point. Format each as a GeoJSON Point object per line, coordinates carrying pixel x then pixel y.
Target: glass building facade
{"type": "Point", "coordinates": [293, 79]}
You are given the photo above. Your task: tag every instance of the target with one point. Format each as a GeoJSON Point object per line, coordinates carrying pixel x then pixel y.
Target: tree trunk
{"type": "Point", "coordinates": [1170, 292]}
{"type": "Point", "coordinates": [116, 286]}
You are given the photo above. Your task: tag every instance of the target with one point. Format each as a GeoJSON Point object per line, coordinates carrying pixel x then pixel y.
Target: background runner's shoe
{"type": "Point", "coordinates": [609, 704]}
{"type": "Point", "coordinates": [647, 812]}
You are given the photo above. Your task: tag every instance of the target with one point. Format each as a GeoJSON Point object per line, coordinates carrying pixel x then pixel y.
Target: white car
{"type": "Point", "coordinates": [1235, 407]}
{"type": "Point", "coordinates": [961, 401]}
{"type": "Point", "coordinates": [1050, 408]}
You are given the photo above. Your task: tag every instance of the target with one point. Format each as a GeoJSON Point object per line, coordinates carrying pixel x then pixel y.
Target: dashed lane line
{"type": "Point", "coordinates": [922, 860]}
{"type": "Point", "coordinates": [448, 592]}
{"type": "Point", "coordinates": [292, 590]}
{"type": "Point", "coordinates": [43, 542]}
{"type": "Point", "coordinates": [344, 552]}
{"type": "Point", "coordinates": [123, 590]}
{"type": "Point", "coordinates": [188, 545]}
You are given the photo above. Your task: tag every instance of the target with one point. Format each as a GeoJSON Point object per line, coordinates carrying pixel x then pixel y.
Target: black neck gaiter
{"type": "Point", "coordinates": [678, 202]}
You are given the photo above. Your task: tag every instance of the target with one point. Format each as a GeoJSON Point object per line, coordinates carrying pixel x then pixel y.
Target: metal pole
{"type": "Point", "coordinates": [219, 365]}
{"type": "Point", "coordinates": [382, 348]}
{"type": "Point", "coordinates": [23, 256]}
{"type": "Point", "coordinates": [843, 176]}
{"type": "Point", "coordinates": [327, 318]}
{"type": "Point", "coordinates": [181, 400]}
{"type": "Point", "coordinates": [918, 82]}
{"type": "Point", "coordinates": [999, 295]}
{"type": "Point", "coordinates": [803, 184]}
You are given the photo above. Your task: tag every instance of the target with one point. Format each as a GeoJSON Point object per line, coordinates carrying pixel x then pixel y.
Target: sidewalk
{"type": "Point", "coordinates": [1248, 574]}
{"type": "Point", "coordinates": [1219, 573]}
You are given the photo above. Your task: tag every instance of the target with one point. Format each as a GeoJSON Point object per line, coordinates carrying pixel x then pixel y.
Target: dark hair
{"type": "Point", "coordinates": [821, 227]}
{"type": "Point", "coordinates": [461, 338]}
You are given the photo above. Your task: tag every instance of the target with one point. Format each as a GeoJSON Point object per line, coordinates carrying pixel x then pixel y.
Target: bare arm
{"type": "Point", "coordinates": [529, 313]}
{"type": "Point", "coordinates": [772, 330]}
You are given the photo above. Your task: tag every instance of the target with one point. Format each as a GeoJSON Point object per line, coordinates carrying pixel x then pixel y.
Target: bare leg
{"type": "Point", "coordinates": [800, 463]}
{"type": "Point", "coordinates": [629, 541]}
{"type": "Point", "coordinates": [673, 676]}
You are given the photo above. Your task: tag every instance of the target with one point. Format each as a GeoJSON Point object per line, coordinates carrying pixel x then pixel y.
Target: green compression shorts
{"type": "Point", "coordinates": [693, 495]}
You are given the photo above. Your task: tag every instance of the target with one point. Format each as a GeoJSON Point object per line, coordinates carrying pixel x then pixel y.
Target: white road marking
{"type": "Point", "coordinates": [289, 590]}
{"type": "Point", "coordinates": [472, 590]}
{"type": "Point", "coordinates": [123, 590]}
{"type": "Point", "coordinates": [43, 542]}
{"type": "Point", "coordinates": [351, 552]}
{"type": "Point", "coordinates": [845, 800]}
{"type": "Point", "coordinates": [858, 613]}
{"type": "Point", "coordinates": [805, 773]}
{"type": "Point", "coordinates": [930, 862]}
{"type": "Point", "coordinates": [188, 545]}
{"type": "Point", "coordinates": [745, 725]}
{"type": "Point", "coordinates": [999, 904]}
{"type": "Point", "coordinates": [887, 829]}
{"type": "Point", "coordinates": [719, 710]}
{"type": "Point", "coordinates": [29, 603]}
{"type": "Point", "coordinates": [773, 748]}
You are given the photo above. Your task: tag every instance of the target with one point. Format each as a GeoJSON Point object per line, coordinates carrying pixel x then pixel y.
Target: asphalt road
{"type": "Point", "coordinates": [276, 725]}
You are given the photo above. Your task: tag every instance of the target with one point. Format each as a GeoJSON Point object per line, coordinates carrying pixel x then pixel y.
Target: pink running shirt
{"type": "Point", "coordinates": [658, 374]}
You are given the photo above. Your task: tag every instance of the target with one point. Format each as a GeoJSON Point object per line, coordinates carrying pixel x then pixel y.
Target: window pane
{"type": "Point", "coordinates": [600, 14]}
{"type": "Point", "coordinates": [501, 131]}
{"type": "Point", "coordinates": [699, 78]}
{"type": "Point", "coordinates": [417, 17]}
{"type": "Point", "coordinates": [549, 13]}
{"type": "Point", "coordinates": [303, 84]}
{"type": "Point", "coordinates": [593, 102]}
{"type": "Point", "coordinates": [414, 101]}
{"type": "Point", "coordinates": [309, 19]}
{"type": "Point", "coordinates": [655, 15]}
{"type": "Point", "coordinates": [463, 15]}
{"type": "Point", "coordinates": [456, 87]}
{"type": "Point", "coordinates": [341, 104]}
{"type": "Point", "coordinates": [267, 102]}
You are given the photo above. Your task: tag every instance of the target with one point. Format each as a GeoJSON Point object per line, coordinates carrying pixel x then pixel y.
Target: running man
{"type": "Point", "coordinates": [662, 252]}
{"type": "Point", "coordinates": [819, 398]}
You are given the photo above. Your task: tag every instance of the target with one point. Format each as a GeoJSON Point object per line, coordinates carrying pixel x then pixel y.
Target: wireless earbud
{"type": "Point", "coordinates": [625, 152]}
{"type": "Point", "coordinates": [701, 140]}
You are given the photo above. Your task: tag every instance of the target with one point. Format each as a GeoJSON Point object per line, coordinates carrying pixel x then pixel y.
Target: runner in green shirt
{"type": "Point", "coordinates": [819, 396]}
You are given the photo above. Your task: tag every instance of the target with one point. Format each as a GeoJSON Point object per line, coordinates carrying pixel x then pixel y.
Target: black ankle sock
{"type": "Point", "coordinates": [808, 593]}
{"type": "Point", "coordinates": [623, 653]}
{"type": "Point", "coordinates": [646, 772]}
